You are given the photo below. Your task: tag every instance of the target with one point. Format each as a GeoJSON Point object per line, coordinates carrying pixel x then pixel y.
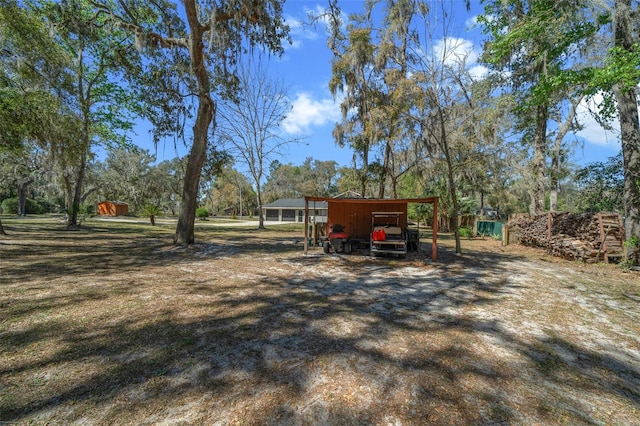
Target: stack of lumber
{"type": "Point", "coordinates": [589, 237]}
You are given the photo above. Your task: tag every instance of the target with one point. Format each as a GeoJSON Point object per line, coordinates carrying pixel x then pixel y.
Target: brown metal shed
{"type": "Point", "coordinates": [111, 208]}
{"type": "Point", "coordinates": [355, 214]}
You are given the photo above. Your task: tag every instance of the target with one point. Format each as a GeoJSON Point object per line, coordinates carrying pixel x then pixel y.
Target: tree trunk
{"type": "Point", "coordinates": [363, 184]}
{"type": "Point", "coordinates": [394, 186]}
{"type": "Point", "coordinates": [68, 193]}
{"type": "Point", "coordinates": [385, 169]}
{"type": "Point", "coordinates": [260, 215]}
{"type": "Point", "coordinates": [553, 200]}
{"type": "Point", "coordinates": [84, 101]}
{"type": "Point", "coordinates": [454, 203]}
{"type": "Point", "coordinates": [451, 181]}
{"type": "Point", "coordinates": [185, 234]}
{"type": "Point", "coordinates": [532, 200]}
{"type": "Point", "coordinates": [630, 130]}
{"type": "Point", "coordinates": [77, 193]}
{"type": "Point", "coordinates": [629, 127]}
{"type": "Point", "coordinates": [2, 231]}
{"type": "Point", "coordinates": [22, 197]}
{"type": "Point", "coordinates": [206, 110]}
{"type": "Point", "coordinates": [554, 174]}
{"type": "Point", "coordinates": [364, 174]}
{"type": "Point", "coordinates": [539, 160]}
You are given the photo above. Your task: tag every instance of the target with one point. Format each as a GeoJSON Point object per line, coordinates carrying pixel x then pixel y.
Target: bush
{"type": "Point", "coordinates": [150, 211]}
{"type": "Point", "coordinates": [46, 206]}
{"type": "Point", "coordinates": [10, 206]}
{"type": "Point", "coordinates": [88, 209]}
{"type": "Point", "coordinates": [202, 213]}
{"type": "Point", "coordinates": [34, 207]}
{"type": "Point", "coordinates": [465, 232]}
{"type": "Point", "coordinates": [84, 210]}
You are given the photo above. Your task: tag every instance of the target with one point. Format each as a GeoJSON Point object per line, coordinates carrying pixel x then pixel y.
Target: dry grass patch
{"type": "Point", "coordinates": [110, 324]}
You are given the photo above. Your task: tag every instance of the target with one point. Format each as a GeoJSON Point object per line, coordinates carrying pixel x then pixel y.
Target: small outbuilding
{"type": "Point", "coordinates": [112, 208]}
{"type": "Point", "coordinates": [355, 215]}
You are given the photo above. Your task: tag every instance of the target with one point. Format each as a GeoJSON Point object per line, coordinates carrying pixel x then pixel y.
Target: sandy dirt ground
{"type": "Point", "coordinates": [104, 326]}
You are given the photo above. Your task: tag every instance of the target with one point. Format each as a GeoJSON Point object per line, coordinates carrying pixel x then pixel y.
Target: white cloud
{"type": "Point", "coordinates": [478, 72]}
{"type": "Point", "coordinates": [459, 53]}
{"type": "Point", "coordinates": [307, 112]}
{"type": "Point", "coordinates": [456, 51]}
{"type": "Point", "coordinates": [592, 131]}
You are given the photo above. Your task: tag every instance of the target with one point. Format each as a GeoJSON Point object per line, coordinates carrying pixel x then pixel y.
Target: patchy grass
{"type": "Point", "coordinates": [111, 324]}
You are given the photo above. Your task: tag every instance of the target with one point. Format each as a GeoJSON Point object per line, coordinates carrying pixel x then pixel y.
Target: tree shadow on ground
{"type": "Point", "coordinates": [30, 250]}
{"type": "Point", "coordinates": [339, 341]}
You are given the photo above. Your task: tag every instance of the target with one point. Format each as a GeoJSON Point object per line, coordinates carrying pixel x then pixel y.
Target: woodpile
{"type": "Point", "coordinates": [589, 237]}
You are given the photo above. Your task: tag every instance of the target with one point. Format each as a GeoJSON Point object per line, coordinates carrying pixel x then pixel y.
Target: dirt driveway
{"type": "Point", "coordinates": [110, 325]}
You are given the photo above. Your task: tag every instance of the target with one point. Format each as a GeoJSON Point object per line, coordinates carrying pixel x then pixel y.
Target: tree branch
{"type": "Point", "coordinates": [153, 37]}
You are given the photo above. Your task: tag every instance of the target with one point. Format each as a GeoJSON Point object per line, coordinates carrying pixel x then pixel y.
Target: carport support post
{"type": "Point", "coordinates": [306, 225]}
{"type": "Point", "coordinates": [314, 227]}
{"type": "Point", "coordinates": [434, 244]}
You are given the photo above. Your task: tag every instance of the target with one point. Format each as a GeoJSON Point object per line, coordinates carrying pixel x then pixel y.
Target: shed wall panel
{"type": "Point", "coordinates": [107, 208]}
{"type": "Point", "coordinates": [356, 217]}
{"type": "Point", "coordinates": [122, 209]}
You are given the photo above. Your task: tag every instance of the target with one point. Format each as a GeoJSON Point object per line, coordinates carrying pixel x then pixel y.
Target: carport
{"type": "Point", "coordinates": [358, 212]}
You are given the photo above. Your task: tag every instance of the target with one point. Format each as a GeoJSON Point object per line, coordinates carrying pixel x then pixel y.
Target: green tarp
{"type": "Point", "coordinates": [489, 228]}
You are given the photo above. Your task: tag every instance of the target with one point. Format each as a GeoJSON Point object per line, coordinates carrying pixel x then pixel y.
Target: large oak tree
{"type": "Point", "coordinates": [193, 52]}
{"type": "Point", "coordinates": [626, 53]}
{"type": "Point", "coordinates": [530, 43]}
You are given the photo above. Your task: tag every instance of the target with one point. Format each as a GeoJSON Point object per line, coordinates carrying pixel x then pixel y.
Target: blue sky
{"type": "Point", "coordinates": [305, 68]}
